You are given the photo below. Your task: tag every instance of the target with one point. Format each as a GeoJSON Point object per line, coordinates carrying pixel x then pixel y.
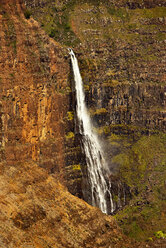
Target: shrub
{"type": "Point", "coordinates": [160, 235]}
{"type": "Point", "coordinates": [69, 136]}
{"type": "Point", "coordinates": [76, 167]}
{"type": "Point", "coordinates": [27, 13]}
{"type": "Point", "coordinates": [52, 33]}
{"type": "Point", "coordinates": [70, 116]}
{"type": "Point", "coordinates": [100, 111]}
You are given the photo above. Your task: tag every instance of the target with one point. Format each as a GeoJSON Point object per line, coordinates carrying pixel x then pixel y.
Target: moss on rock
{"type": "Point", "coordinates": [141, 166]}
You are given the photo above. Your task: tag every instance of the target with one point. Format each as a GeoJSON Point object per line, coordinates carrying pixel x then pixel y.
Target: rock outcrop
{"type": "Point", "coordinates": [33, 74]}
{"type": "Point", "coordinates": [119, 105]}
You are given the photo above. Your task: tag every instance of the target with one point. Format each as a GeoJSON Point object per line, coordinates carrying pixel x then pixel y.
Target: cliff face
{"type": "Point", "coordinates": [33, 72]}
{"type": "Point", "coordinates": [120, 46]}
{"type": "Point", "coordinates": [36, 210]}
{"type": "Point", "coordinates": [38, 135]}
{"type": "Point", "coordinates": [142, 106]}
{"type": "Point", "coordinates": [124, 76]}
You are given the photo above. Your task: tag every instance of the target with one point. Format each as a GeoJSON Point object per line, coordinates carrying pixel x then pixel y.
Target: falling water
{"type": "Point", "coordinates": [96, 165]}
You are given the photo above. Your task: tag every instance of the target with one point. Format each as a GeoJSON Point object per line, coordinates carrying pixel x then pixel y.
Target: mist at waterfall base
{"type": "Point", "coordinates": [97, 170]}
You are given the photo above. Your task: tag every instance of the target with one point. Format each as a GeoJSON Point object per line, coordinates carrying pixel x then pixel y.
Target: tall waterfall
{"type": "Point", "coordinates": [96, 164]}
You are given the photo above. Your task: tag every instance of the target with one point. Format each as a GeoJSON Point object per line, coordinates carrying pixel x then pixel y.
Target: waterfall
{"type": "Point", "coordinates": [96, 165]}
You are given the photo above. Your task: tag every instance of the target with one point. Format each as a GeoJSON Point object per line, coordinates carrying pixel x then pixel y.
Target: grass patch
{"type": "Point", "coordinates": [142, 167]}
{"type": "Point", "coordinates": [154, 12]}
{"type": "Point", "coordinates": [136, 161]}
{"type": "Point", "coordinates": [121, 13]}
{"type": "Point", "coordinates": [56, 22]}
{"type": "Point", "coordinates": [10, 34]}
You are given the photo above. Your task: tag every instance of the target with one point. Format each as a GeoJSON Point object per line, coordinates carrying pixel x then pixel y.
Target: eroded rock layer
{"type": "Point", "coordinates": [120, 46]}
{"type": "Point", "coordinates": [33, 72]}
{"type": "Point", "coordinates": [38, 136]}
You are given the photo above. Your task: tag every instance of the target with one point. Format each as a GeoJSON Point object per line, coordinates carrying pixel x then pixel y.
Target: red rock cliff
{"type": "Point", "coordinates": [36, 211]}
{"type": "Point", "coordinates": [32, 72]}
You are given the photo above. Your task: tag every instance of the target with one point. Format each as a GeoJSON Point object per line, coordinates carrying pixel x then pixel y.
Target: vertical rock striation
{"type": "Point", "coordinates": [33, 72]}
{"type": "Point", "coordinates": [35, 209]}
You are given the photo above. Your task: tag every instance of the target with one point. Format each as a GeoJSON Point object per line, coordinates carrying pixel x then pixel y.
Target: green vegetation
{"type": "Point", "coordinates": [126, 14]}
{"type": "Point", "coordinates": [27, 13]}
{"type": "Point", "coordinates": [102, 130]}
{"type": "Point", "coordinates": [69, 136]}
{"type": "Point", "coordinates": [160, 235]}
{"type": "Point", "coordinates": [52, 33]}
{"type": "Point", "coordinates": [141, 222]}
{"type": "Point", "coordinates": [10, 34]}
{"type": "Point", "coordinates": [76, 167]}
{"type": "Point", "coordinates": [68, 90]}
{"type": "Point", "coordinates": [86, 87]}
{"type": "Point", "coordinates": [123, 13]}
{"type": "Point", "coordinates": [87, 67]}
{"type": "Point", "coordinates": [111, 83]}
{"type": "Point", "coordinates": [56, 22]}
{"type": "Point", "coordinates": [154, 12]}
{"type": "Point", "coordinates": [136, 161]}
{"type": "Point", "coordinates": [142, 167]}
{"type": "Point", "coordinates": [100, 111]}
{"type": "Point", "coordinates": [70, 115]}
{"type": "Point", "coordinates": [12, 75]}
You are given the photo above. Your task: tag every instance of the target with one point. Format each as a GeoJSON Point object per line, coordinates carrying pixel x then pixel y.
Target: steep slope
{"type": "Point", "coordinates": [36, 211]}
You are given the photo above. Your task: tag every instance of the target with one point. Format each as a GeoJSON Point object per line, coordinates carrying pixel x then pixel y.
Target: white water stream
{"type": "Point", "coordinates": [96, 165]}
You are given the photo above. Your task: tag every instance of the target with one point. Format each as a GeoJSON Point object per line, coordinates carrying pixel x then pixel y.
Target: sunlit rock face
{"type": "Point", "coordinates": [33, 71]}
{"type": "Point", "coordinates": [121, 55]}
{"type": "Point", "coordinates": [36, 210]}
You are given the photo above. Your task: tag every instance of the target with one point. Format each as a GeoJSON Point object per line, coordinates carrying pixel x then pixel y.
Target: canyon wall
{"type": "Point", "coordinates": [34, 107]}
{"type": "Point", "coordinates": [120, 46]}
{"type": "Point", "coordinates": [121, 51]}
{"type": "Point", "coordinates": [35, 119]}
{"type": "Point", "coordinates": [129, 104]}
{"type": "Point", "coordinates": [36, 210]}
